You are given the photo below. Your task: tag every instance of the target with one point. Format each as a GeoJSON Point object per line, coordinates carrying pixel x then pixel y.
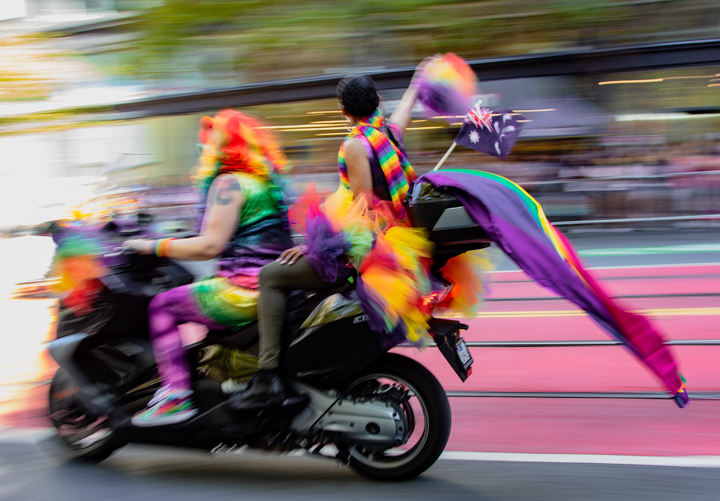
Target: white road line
{"type": "Point", "coordinates": [669, 461]}
{"type": "Point", "coordinates": [34, 436]}
{"type": "Point", "coordinates": [24, 435]}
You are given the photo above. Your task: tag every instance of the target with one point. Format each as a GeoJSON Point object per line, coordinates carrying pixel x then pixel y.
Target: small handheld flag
{"type": "Point", "coordinates": [493, 133]}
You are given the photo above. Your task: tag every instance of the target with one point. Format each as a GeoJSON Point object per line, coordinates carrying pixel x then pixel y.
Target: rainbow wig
{"type": "Point", "coordinates": [235, 142]}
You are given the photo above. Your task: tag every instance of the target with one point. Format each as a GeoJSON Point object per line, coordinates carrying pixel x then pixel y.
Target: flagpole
{"type": "Point", "coordinates": [447, 154]}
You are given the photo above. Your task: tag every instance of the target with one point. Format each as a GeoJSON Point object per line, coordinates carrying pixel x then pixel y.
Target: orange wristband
{"type": "Point", "coordinates": [162, 247]}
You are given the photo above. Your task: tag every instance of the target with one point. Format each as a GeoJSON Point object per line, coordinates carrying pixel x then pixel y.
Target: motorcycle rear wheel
{"type": "Point", "coordinates": [427, 411]}
{"type": "Point", "coordinates": [85, 437]}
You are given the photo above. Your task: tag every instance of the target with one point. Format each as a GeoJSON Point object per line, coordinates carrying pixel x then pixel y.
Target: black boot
{"type": "Point", "coordinates": [266, 391]}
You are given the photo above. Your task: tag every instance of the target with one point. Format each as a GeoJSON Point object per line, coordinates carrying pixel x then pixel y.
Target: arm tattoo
{"type": "Point", "coordinates": [224, 191]}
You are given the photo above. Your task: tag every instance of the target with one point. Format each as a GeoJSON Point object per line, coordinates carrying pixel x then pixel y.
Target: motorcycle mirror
{"type": "Point", "coordinates": [49, 228]}
{"type": "Point", "coordinates": [110, 227]}
{"type": "Point", "coordinates": [144, 218]}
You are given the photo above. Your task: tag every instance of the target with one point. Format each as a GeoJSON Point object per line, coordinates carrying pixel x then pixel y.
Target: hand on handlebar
{"type": "Point", "coordinates": [140, 245]}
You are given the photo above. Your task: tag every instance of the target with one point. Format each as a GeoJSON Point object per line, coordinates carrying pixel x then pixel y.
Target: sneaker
{"type": "Point", "coordinates": [231, 386]}
{"type": "Point", "coordinates": [168, 406]}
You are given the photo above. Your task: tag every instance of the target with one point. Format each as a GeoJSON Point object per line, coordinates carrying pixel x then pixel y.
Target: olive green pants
{"type": "Point", "coordinates": [276, 281]}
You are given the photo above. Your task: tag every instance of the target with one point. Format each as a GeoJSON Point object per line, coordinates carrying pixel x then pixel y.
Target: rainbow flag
{"type": "Point", "coordinates": [516, 223]}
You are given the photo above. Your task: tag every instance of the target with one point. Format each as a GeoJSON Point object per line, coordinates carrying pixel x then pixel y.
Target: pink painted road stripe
{"type": "Point", "coordinates": [558, 303]}
{"type": "Point", "coordinates": [585, 426]}
{"type": "Point", "coordinates": [575, 328]}
{"type": "Point", "coordinates": [624, 272]}
{"type": "Point", "coordinates": [570, 369]}
{"type": "Point", "coordinates": [618, 287]}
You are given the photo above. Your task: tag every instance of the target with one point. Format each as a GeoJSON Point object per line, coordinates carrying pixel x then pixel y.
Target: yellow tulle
{"type": "Point", "coordinates": [409, 245]}
{"type": "Point", "coordinates": [341, 209]}
{"type": "Point", "coordinates": [391, 291]}
{"type": "Point", "coordinates": [395, 277]}
{"type": "Point", "coordinates": [392, 259]}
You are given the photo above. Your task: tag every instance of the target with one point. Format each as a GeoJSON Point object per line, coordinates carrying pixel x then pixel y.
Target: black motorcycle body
{"type": "Point", "coordinates": [382, 413]}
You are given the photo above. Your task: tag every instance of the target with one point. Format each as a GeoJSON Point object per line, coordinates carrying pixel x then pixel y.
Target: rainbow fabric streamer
{"type": "Point", "coordinates": [396, 167]}
{"type": "Point", "coordinates": [446, 88]}
{"type": "Point", "coordinates": [516, 223]}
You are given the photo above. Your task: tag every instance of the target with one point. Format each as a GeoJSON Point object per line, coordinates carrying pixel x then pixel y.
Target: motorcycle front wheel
{"type": "Point", "coordinates": [427, 411]}
{"type": "Point", "coordinates": [85, 437]}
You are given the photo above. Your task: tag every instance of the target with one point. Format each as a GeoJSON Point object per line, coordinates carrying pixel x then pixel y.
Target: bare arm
{"type": "Point", "coordinates": [402, 116]}
{"type": "Point", "coordinates": [358, 167]}
{"type": "Point", "coordinates": [224, 202]}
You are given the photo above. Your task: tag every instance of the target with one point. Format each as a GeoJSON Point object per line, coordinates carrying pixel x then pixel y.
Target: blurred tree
{"type": "Point", "coordinates": [184, 44]}
{"type": "Point", "coordinates": [32, 67]}
{"type": "Point", "coordinates": [238, 41]}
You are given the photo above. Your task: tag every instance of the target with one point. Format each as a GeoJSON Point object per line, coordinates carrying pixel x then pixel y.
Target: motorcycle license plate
{"type": "Point", "coordinates": [463, 353]}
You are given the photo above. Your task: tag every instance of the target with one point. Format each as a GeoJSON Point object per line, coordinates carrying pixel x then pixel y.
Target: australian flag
{"type": "Point", "coordinates": [491, 132]}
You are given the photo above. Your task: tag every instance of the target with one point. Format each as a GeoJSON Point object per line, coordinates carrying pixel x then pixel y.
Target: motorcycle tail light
{"type": "Point", "coordinates": [435, 297]}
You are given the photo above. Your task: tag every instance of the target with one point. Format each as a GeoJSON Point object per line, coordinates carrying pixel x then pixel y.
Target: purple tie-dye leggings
{"type": "Point", "coordinates": [168, 310]}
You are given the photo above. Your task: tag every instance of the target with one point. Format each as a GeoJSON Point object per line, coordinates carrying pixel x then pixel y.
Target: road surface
{"type": "Point", "coordinates": [526, 425]}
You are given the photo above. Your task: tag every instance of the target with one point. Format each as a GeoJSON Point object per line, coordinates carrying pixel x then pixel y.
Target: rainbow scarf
{"type": "Point", "coordinates": [516, 223]}
{"type": "Point", "coordinates": [395, 165]}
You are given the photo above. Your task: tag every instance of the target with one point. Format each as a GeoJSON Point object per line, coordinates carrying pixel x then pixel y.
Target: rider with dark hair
{"type": "Point", "coordinates": [357, 95]}
{"type": "Point", "coordinates": [362, 170]}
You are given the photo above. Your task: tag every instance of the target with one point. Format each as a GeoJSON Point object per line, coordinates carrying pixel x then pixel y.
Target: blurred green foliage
{"type": "Point", "coordinates": [241, 41]}
{"type": "Point", "coordinates": [26, 67]}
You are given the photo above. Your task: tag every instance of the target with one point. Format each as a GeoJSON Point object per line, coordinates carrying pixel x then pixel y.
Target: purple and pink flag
{"type": "Point", "coordinates": [516, 223]}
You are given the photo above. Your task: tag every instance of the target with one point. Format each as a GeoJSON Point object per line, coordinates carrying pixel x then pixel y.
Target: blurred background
{"type": "Point", "coordinates": [100, 102]}
{"type": "Point", "coordinates": [622, 98]}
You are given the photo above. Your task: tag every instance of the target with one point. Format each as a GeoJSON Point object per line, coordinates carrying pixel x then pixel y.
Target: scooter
{"type": "Point", "coordinates": [383, 414]}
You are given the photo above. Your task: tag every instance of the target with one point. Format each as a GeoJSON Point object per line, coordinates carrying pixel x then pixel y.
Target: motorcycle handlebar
{"type": "Point", "coordinates": [121, 251]}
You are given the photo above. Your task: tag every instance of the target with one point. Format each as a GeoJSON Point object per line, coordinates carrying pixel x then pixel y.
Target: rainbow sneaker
{"type": "Point", "coordinates": [168, 406]}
